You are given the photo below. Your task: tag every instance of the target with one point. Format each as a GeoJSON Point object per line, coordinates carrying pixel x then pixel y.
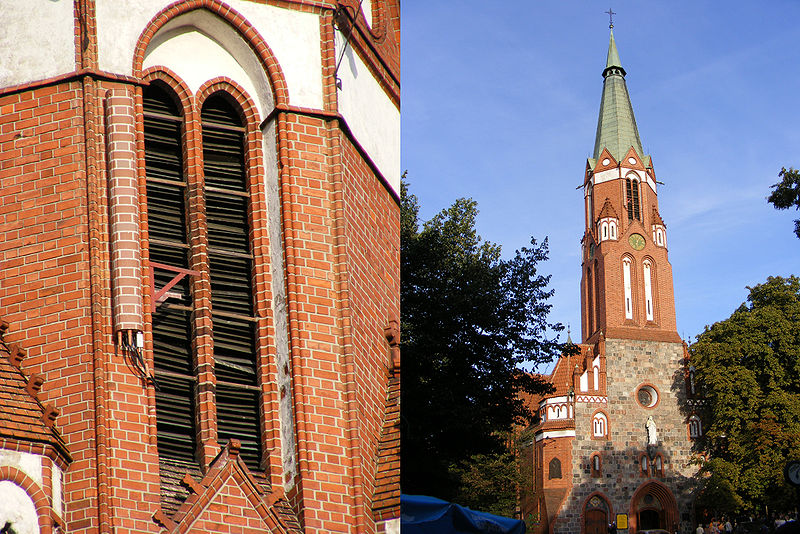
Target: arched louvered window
{"type": "Point", "coordinates": [632, 197]}
{"type": "Point", "coordinates": [231, 266]}
{"type": "Point", "coordinates": [172, 331]}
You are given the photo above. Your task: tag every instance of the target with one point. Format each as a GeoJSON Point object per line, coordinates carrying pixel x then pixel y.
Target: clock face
{"type": "Point", "coordinates": [636, 241]}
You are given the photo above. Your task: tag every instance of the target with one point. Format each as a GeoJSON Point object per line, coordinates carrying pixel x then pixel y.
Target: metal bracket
{"type": "Point", "coordinates": [164, 293]}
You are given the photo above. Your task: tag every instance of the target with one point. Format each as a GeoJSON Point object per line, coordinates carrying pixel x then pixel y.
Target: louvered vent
{"type": "Point", "coordinates": [231, 267]}
{"type": "Point", "coordinates": [172, 332]}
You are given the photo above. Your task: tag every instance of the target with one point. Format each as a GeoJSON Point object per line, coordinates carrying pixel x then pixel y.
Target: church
{"type": "Point", "coordinates": [613, 441]}
{"type": "Point", "coordinates": [199, 282]}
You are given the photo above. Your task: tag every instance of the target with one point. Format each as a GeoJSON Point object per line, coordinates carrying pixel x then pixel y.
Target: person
{"type": "Point", "coordinates": [699, 529]}
{"type": "Point", "coordinates": [728, 526]}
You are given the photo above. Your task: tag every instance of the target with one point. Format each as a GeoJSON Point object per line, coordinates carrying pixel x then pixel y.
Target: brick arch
{"type": "Point", "coordinates": [240, 24]}
{"type": "Point", "coordinates": [665, 498]}
{"type": "Point", "coordinates": [608, 425]}
{"type": "Point", "coordinates": [40, 501]}
{"type": "Point", "coordinates": [175, 83]}
{"type": "Point", "coordinates": [244, 103]}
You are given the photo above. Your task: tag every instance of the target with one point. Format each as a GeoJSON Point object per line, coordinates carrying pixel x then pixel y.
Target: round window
{"type": "Point", "coordinates": [647, 396]}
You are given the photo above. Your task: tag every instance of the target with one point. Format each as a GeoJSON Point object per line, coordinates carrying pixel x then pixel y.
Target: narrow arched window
{"type": "Point", "coordinates": [554, 470]}
{"type": "Point", "coordinates": [230, 260]}
{"type": "Point", "coordinates": [596, 465]}
{"type": "Point", "coordinates": [632, 197]}
{"type": "Point", "coordinates": [648, 289]}
{"type": "Point", "coordinates": [173, 357]}
{"type": "Point", "coordinates": [626, 280]}
{"type": "Point", "coordinates": [644, 465]}
{"type": "Point", "coordinates": [658, 466]}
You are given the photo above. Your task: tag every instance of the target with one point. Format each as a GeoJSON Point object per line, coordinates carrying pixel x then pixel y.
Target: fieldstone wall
{"type": "Point", "coordinates": [630, 365]}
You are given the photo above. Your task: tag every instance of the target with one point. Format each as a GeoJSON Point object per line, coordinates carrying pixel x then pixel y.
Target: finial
{"type": "Point", "coordinates": [610, 18]}
{"type": "Point", "coordinates": [569, 339]}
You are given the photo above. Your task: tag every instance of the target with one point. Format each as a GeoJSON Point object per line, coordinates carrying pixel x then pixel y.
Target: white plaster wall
{"type": "Point", "coordinates": [17, 508]}
{"type": "Point", "coordinates": [392, 526]}
{"type": "Point", "coordinates": [30, 464]}
{"type": "Point", "coordinates": [279, 309]}
{"type": "Point", "coordinates": [293, 36]}
{"type": "Point", "coordinates": [366, 7]}
{"type": "Point", "coordinates": [58, 495]}
{"type": "Point", "coordinates": [35, 47]}
{"type": "Point", "coordinates": [371, 115]}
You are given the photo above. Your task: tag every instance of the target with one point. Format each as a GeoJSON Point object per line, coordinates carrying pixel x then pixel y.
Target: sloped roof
{"type": "Point", "coordinates": [386, 499]}
{"type": "Point", "coordinates": [608, 210]}
{"type": "Point", "coordinates": [23, 415]}
{"type": "Point", "coordinates": [616, 125]}
{"type": "Point", "coordinates": [228, 475]}
{"type": "Point", "coordinates": [657, 218]}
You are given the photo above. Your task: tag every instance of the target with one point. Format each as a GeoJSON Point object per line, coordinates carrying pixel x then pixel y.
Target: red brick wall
{"type": "Point", "coordinates": [44, 259]}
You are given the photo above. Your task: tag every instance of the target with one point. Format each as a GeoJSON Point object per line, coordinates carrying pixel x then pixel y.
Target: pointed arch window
{"type": "Point", "coordinates": [658, 466]}
{"type": "Point", "coordinates": [554, 469]}
{"type": "Point", "coordinates": [644, 465]}
{"type": "Point", "coordinates": [632, 199]}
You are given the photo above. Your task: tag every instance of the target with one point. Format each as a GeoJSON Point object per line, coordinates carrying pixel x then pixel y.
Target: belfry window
{"type": "Point", "coordinates": [229, 265]}
{"type": "Point", "coordinates": [648, 289]}
{"type": "Point", "coordinates": [626, 281]}
{"type": "Point", "coordinates": [632, 198]}
{"type": "Point", "coordinates": [173, 355]}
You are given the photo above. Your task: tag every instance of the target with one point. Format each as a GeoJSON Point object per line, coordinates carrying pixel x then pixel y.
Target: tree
{"type": "Point", "coordinates": [748, 369]}
{"type": "Point", "coordinates": [469, 318]}
{"type": "Point", "coordinates": [786, 193]}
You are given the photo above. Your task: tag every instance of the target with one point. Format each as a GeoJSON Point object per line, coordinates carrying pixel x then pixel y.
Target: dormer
{"type": "Point", "coordinates": [659, 230]}
{"type": "Point", "coordinates": [607, 223]}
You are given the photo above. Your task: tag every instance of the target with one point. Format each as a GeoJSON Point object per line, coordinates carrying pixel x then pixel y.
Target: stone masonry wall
{"type": "Point", "coordinates": [631, 364]}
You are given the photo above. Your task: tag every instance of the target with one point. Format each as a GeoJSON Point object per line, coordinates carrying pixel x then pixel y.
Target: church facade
{"type": "Point", "coordinates": [199, 282]}
{"type": "Point", "coordinates": [613, 441]}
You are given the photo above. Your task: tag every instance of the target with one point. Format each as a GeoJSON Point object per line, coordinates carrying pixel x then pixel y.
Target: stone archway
{"type": "Point", "coordinates": [653, 506]}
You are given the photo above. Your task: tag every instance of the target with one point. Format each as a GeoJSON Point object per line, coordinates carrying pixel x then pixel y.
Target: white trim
{"type": "Point", "coordinates": [555, 434]}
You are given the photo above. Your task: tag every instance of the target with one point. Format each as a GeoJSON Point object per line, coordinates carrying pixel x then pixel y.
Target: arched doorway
{"type": "Point", "coordinates": [596, 515]}
{"type": "Point", "coordinates": [653, 506]}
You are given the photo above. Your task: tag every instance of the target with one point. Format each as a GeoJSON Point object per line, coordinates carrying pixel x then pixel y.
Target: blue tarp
{"type": "Point", "coordinates": [428, 515]}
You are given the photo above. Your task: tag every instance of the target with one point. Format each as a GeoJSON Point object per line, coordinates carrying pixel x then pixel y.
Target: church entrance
{"type": "Point", "coordinates": [596, 516]}
{"type": "Point", "coordinates": [654, 506]}
{"type": "Point", "coordinates": [650, 519]}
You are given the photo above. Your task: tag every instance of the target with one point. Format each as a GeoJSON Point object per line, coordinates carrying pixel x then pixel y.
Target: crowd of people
{"type": "Point", "coordinates": [745, 525]}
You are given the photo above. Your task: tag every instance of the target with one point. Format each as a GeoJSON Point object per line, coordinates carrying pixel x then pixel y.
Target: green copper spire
{"type": "Point", "coordinates": [616, 126]}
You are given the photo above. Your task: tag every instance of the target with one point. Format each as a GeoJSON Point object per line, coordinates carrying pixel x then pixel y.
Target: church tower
{"type": "Point", "coordinates": [626, 286]}
{"type": "Point", "coordinates": [614, 439]}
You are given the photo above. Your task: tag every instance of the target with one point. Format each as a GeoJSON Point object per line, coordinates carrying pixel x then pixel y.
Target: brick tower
{"type": "Point", "coordinates": [614, 441]}
{"type": "Point", "coordinates": [200, 266]}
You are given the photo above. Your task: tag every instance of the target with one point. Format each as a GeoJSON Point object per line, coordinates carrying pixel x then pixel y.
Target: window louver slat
{"type": "Point", "coordinates": [175, 417]}
{"type": "Point", "coordinates": [238, 418]}
{"type": "Point", "coordinates": [172, 350]}
{"type": "Point", "coordinates": [227, 221]}
{"type": "Point", "coordinates": [233, 344]}
{"type": "Point", "coordinates": [230, 284]}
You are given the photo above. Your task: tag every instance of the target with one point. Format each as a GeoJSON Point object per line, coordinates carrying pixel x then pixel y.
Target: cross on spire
{"type": "Point", "coordinates": [610, 18]}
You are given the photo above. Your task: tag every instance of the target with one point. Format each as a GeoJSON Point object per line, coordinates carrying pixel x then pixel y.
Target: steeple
{"type": "Point", "coordinates": [616, 126]}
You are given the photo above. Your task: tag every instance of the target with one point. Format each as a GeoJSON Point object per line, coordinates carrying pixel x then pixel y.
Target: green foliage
{"type": "Point", "coordinates": [748, 369]}
{"type": "Point", "coordinates": [469, 318]}
{"type": "Point", "coordinates": [489, 483]}
{"type": "Point", "coordinates": [786, 193]}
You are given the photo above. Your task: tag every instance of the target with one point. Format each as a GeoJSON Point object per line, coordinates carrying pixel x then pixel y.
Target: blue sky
{"type": "Point", "coordinates": [500, 103]}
